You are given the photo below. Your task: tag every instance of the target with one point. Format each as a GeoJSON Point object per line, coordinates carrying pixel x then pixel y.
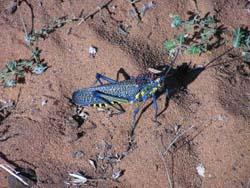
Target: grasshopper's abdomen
{"type": "Point", "coordinates": [121, 92]}
{"type": "Point", "coordinates": [83, 97]}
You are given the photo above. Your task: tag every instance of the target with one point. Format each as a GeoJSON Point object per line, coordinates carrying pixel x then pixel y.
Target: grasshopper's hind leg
{"type": "Point", "coordinates": [105, 98]}
{"type": "Point", "coordinates": [124, 73]}
{"type": "Point", "coordinates": [100, 77]}
{"type": "Point", "coordinates": [116, 109]}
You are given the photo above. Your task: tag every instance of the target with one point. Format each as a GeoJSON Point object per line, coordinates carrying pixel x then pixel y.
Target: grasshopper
{"type": "Point", "coordinates": [135, 90]}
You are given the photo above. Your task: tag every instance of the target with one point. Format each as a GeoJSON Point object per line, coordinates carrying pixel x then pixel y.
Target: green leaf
{"type": "Point", "coordinates": [246, 56]}
{"type": "Point", "coordinates": [36, 52]}
{"type": "Point", "coordinates": [247, 41]}
{"type": "Point", "coordinates": [12, 66]}
{"type": "Point", "coordinates": [169, 45]}
{"type": "Point", "coordinates": [39, 68]}
{"type": "Point", "coordinates": [193, 50]}
{"type": "Point", "coordinates": [180, 39]}
{"type": "Point", "coordinates": [237, 38]}
{"type": "Point", "coordinates": [192, 21]}
{"type": "Point", "coordinates": [207, 34]}
{"type": "Point", "coordinates": [176, 21]}
{"type": "Point", "coordinates": [9, 83]}
{"type": "Point", "coordinates": [208, 21]}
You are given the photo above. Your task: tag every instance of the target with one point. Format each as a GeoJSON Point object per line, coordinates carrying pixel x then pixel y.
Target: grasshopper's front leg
{"type": "Point", "coordinates": [155, 105]}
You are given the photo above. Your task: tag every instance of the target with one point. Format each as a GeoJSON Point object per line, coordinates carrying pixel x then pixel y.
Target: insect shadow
{"type": "Point", "coordinates": [176, 81]}
{"type": "Point", "coordinates": [180, 77]}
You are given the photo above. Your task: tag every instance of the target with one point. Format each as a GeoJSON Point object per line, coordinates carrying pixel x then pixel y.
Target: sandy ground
{"type": "Point", "coordinates": [42, 135]}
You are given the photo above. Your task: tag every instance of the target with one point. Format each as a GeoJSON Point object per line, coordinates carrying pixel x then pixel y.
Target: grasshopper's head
{"type": "Point", "coordinates": [158, 76]}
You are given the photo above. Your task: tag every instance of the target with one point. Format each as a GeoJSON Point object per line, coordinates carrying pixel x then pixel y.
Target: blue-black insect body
{"type": "Point", "coordinates": [120, 92]}
{"type": "Point", "coordinates": [133, 90]}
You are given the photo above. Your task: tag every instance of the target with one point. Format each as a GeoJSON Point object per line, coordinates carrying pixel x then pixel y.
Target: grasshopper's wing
{"type": "Point", "coordinates": [110, 98]}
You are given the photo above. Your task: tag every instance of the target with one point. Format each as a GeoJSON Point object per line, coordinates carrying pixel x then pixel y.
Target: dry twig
{"type": "Point", "coordinates": [10, 169]}
{"type": "Point", "coordinates": [176, 138]}
{"type": "Point", "coordinates": [165, 166]}
{"type": "Point", "coordinates": [95, 11]}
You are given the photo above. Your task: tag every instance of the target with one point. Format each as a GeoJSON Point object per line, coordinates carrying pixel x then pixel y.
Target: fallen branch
{"type": "Point", "coordinates": [166, 168]}
{"type": "Point", "coordinates": [95, 11]}
{"type": "Point", "coordinates": [176, 138]}
{"type": "Point", "coordinates": [8, 168]}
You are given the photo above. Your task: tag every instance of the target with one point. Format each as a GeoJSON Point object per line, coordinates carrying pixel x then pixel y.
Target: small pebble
{"type": "Point", "coordinates": [71, 122]}
{"type": "Point", "coordinates": [201, 170]}
{"type": "Point", "coordinates": [117, 173]}
{"type": "Point", "coordinates": [247, 6]}
{"type": "Point", "coordinates": [11, 8]}
{"type": "Point", "coordinates": [122, 30]}
{"type": "Point", "coordinates": [92, 51]}
{"type": "Point", "coordinates": [78, 154]}
{"type": "Point", "coordinates": [220, 117]}
{"type": "Point", "coordinates": [44, 101]}
{"type": "Point", "coordinates": [92, 163]}
{"type": "Point", "coordinates": [146, 7]}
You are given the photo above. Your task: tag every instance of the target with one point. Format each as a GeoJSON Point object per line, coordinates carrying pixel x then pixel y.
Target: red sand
{"type": "Point", "coordinates": [41, 138]}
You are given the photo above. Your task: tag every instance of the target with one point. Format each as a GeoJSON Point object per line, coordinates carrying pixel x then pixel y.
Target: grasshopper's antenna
{"type": "Point", "coordinates": [156, 71]}
{"type": "Point", "coordinates": [218, 58]}
{"type": "Point", "coordinates": [172, 63]}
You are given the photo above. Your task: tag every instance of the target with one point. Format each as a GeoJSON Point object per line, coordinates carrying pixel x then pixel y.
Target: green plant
{"type": "Point", "coordinates": [176, 21]}
{"type": "Point", "coordinates": [44, 32]}
{"type": "Point", "coordinates": [241, 40]}
{"type": "Point", "coordinates": [15, 70]}
{"type": "Point", "coordinates": [198, 35]}
{"type": "Point", "coordinates": [246, 56]}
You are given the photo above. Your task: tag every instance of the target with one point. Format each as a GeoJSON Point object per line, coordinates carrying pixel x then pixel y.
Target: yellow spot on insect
{"type": "Point", "coordinates": [140, 94]}
{"type": "Point", "coordinates": [153, 90]}
{"type": "Point", "coordinates": [99, 105]}
{"type": "Point", "coordinates": [115, 102]}
{"type": "Point", "coordinates": [137, 95]}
